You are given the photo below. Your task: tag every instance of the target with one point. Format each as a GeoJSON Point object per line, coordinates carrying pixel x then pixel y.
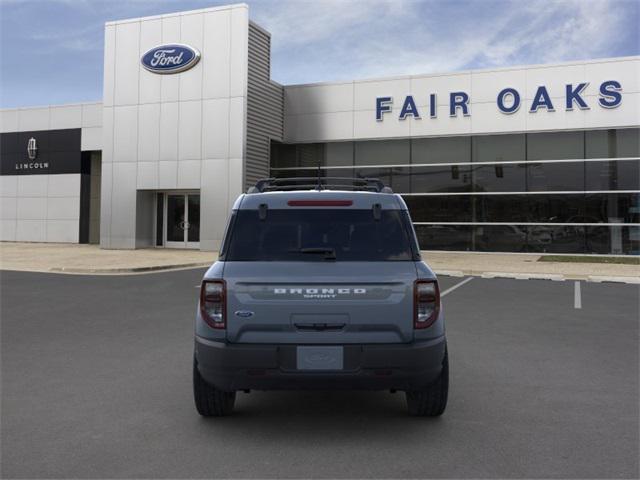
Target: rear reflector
{"type": "Point", "coordinates": [320, 203]}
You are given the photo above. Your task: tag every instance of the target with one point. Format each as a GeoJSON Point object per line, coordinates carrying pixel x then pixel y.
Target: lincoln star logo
{"type": "Point", "coordinates": [172, 58]}
{"type": "Point", "coordinates": [32, 149]}
{"type": "Point", "coordinates": [32, 154]}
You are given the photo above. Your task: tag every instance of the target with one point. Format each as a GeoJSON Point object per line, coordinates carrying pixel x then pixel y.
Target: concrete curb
{"type": "Point", "coordinates": [153, 268]}
{"type": "Point", "coordinates": [541, 276]}
{"type": "Point", "coordinates": [600, 278]}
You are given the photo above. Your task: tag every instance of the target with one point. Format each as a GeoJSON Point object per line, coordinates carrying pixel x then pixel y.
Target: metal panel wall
{"type": "Point", "coordinates": [327, 112]}
{"type": "Point", "coordinates": [265, 107]}
{"type": "Point", "coordinates": [182, 131]}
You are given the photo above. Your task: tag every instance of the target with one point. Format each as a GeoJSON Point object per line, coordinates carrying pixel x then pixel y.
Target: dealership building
{"type": "Point", "coordinates": [542, 158]}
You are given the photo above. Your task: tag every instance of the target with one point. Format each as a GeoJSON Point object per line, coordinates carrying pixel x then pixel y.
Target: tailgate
{"type": "Point", "coordinates": [320, 302]}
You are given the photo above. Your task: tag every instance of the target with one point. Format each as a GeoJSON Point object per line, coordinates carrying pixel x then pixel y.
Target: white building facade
{"type": "Point", "coordinates": [541, 158]}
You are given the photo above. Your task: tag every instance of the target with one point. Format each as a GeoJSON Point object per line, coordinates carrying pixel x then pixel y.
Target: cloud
{"type": "Point", "coordinates": [72, 40]}
{"type": "Point", "coordinates": [322, 40]}
{"type": "Point", "coordinates": [332, 39]}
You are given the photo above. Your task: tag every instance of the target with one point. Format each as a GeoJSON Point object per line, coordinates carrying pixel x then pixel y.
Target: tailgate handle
{"type": "Point", "coordinates": [320, 327]}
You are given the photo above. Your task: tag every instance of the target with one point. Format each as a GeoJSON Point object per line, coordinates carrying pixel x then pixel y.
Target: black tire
{"type": "Point", "coordinates": [210, 402]}
{"type": "Point", "coordinates": [432, 401]}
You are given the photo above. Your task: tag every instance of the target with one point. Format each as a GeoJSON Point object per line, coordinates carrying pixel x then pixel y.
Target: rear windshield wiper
{"type": "Point", "coordinates": [329, 253]}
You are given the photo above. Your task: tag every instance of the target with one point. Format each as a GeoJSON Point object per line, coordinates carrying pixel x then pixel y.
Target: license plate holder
{"type": "Point", "coordinates": [320, 358]}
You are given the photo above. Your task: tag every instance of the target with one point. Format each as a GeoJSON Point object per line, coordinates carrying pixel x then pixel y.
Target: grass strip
{"type": "Point", "coordinates": [631, 260]}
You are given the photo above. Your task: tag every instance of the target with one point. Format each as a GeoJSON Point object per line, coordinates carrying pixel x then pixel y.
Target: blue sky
{"type": "Point", "coordinates": [51, 50]}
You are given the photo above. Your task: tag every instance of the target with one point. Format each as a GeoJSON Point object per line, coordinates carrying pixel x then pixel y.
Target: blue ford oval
{"type": "Point", "coordinates": [171, 58]}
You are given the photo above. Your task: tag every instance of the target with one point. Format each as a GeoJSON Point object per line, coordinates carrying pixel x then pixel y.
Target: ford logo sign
{"type": "Point", "coordinates": [244, 313]}
{"type": "Point", "coordinates": [171, 58]}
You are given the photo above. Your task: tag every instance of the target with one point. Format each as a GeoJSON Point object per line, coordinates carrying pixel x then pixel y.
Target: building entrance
{"type": "Point", "coordinates": [182, 220]}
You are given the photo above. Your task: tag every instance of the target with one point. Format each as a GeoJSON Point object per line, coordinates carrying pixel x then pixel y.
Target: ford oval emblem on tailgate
{"type": "Point", "coordinates": [171, 58]}
{"type": "Point", "coordinates": [244, 313]}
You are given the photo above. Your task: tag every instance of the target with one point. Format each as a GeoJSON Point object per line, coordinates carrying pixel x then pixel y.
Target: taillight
{"type": "Point", "coordinates": [426, 303]}
{"type": "Point", "coordinates": [213, 295]}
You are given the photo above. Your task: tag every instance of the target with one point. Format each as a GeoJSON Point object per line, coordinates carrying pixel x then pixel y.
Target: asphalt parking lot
{"type": "Point", "coordinates": [96, 383]}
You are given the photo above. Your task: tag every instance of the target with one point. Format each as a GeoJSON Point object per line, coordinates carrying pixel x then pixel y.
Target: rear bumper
{"type": "Point", "coordinates": [233, 367]}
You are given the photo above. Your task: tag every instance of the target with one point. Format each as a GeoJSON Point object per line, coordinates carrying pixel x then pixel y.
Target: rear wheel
{"type": "Point", "coordinates": [432, 401]}
{"type": "Point", "coordinates": [210, 402]}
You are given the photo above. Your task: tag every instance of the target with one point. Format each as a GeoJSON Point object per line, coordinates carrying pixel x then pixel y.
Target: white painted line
{"type": "Point", "coordinates": [457, 285]}
{"type": "Point", "coordinates": [577, 295]}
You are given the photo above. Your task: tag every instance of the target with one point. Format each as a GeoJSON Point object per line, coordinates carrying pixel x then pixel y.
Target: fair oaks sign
{"type": "Point", "coordinates": [508, 101]}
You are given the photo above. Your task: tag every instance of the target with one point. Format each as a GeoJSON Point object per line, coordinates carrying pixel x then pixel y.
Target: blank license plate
{"type": "Point", "coordinates": [320, 358]}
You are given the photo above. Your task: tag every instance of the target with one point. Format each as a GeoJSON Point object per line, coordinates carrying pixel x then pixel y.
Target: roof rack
{"type": "Point", "coordinates": [319, 183]}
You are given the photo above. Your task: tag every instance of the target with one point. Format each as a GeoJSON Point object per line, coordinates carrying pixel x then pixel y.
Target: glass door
{"type": "Point", "coordinates": [182, 220]}
{"type": "Point", "coordinates": [193, 221]}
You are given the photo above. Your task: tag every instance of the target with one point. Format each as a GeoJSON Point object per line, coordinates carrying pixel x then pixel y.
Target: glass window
{"type": "Point", "coordinates": [621, 143]}
{"type": "Point", "coordinates": [283, 155]}
{"type": "Point", "coordinates": [306, 234]}
{"type": "Point", "coordinates": [499, 238]}
{"type": "Point", "coordinates": [613, 240]}
{"type": "Point", "coordinates": [555, 239]}
{"type": "Point", "coordinates": [293, 173]}
{"type": "Point", "coordinates": [312, 173]}
{"type": "Point", "coordinates": [398, 178]}
{"type": "Point", "coordinates": [310, 154]}
{"type": "Point", "coordinates": [441, 150]}
{"type": "Point", "coordinates": [499, 148]}
{"type": "Point", "coordinates": [338, 154]}
{"type": "Point", "coordinates": [543, 177]}
{"type": "Point", "coordinates": [500, 208]}
{"type": "Point", "coordinates": [439, 208]}
{"type": "Point", "coordinates": [528, 208]}
{"type": "Point", "coordinates": [499, 178]}
{"type": "Point", "coordinates": [555, 145]}
{"type": "Point", "coordinates": [613, 208]}
{"type": "Point", "coordinates": [628, 142]}
{"type": "Point", "coordinates": [561, 208]}
{"type": "Point", "coordinates": [335, 172]}
{"type": "Point", "coordinates": [447, 178]}
{"type": "Point", "coordinates": [382, 152]}
{"type": "Point", "coordinates": [444, 237]}
{"type": "Point", "coordinates": [613, 175]}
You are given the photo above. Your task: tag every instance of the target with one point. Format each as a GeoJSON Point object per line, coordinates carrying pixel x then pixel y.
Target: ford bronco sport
{"type": "Point", "coordinates": [320, 287]}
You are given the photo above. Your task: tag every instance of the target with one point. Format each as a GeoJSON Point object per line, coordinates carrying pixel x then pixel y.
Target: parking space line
{"type": "Point", "coordinates": [577, 295]}
{"type": "Point", "coordinates": [457, 285]}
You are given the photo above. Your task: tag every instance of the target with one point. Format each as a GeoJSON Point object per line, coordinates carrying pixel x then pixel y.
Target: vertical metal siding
{"type": "Point", "coordinates": [265, 107]}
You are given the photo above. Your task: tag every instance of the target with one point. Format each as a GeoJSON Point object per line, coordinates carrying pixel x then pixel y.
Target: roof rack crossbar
{"type": "Point", "coordinates": [315, 183]}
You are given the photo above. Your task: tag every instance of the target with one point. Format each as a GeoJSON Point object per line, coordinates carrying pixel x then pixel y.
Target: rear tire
{"type": "Point", "coordinates": [432, 401]}
{"type": "Point", "coordinates": [210, 402]}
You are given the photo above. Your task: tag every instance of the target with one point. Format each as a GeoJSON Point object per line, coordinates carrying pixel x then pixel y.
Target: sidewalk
{"type": "Point", "coordinates": [72, 258]}
{"type": "Point", "coordinates": [490, 265]}
{"type": "Point", "coordinates": [69, 258]}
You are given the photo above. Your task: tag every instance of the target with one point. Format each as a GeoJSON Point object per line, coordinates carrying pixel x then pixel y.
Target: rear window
{"type": "Point", "coordinates": [319, 235]}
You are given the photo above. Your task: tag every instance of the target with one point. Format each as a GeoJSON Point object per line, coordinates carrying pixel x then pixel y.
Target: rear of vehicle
{"type": "Point", "coordinates": [320, 290]}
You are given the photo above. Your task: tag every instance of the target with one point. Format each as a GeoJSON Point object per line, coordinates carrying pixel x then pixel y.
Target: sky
{"type": "Point", "coordinates": [51, 51]}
